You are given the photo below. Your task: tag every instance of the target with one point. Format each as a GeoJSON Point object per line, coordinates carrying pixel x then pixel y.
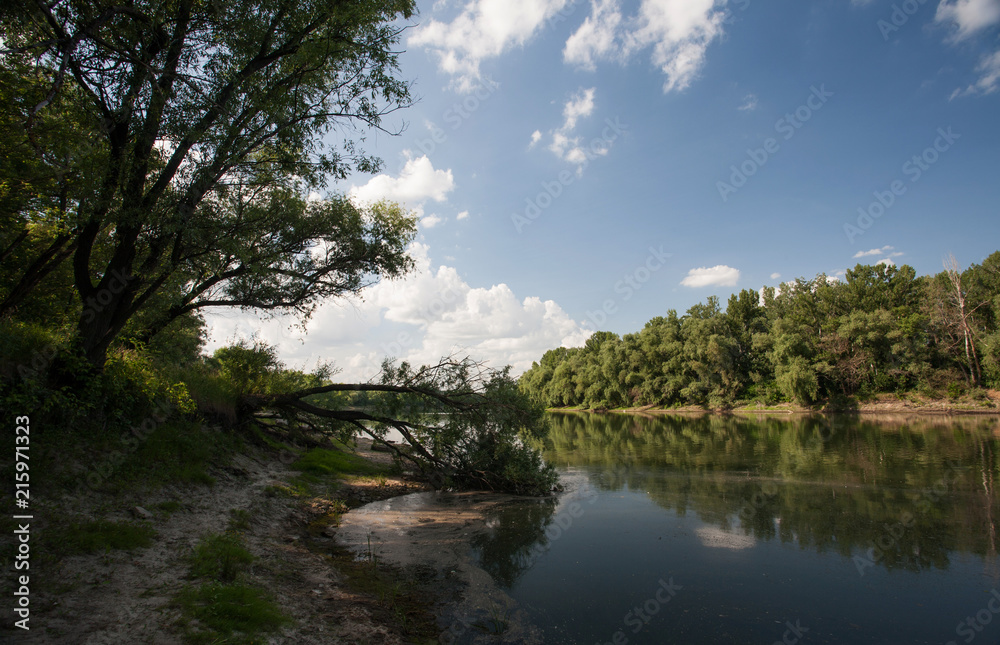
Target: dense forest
{"type": "Point", "coordinates": [879, 329]}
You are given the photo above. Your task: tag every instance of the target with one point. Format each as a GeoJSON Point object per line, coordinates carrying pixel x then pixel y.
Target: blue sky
{"type": "Point", "coordinates": [589, 165]}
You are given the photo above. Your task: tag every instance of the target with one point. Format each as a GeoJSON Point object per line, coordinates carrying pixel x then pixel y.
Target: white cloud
{"type": "Point", "coordinates": [429, 314]}
{"type": "Point", "coordinates": [416, 183]}
{"type": "Point", "coordinates": [749, 103]}
{"type": "Point", "coordinates": [462, 215]}
{"type": "Point", "coordinates": [569, 148]}
{"type": "Point", "coordinates": [885, 250]}
{"type": "Point", "coordinates": [720, 275]}
{"type": "Point", "coordinates": [536, 136]}
{"type": "Point", "coordinates": [679, 31]}
{"type": "Point", "coordinates": [715, 538]}
{"type": "Point", "coordinates": [887, 262]}
{"type": "Point", "coordinates": [598, 37]}
{"type": "Point", "coordinates": [775, 276]}
{"type": "Point", "coordinates": [485, 29]}
{"type": "Point", "coordinates": [580, 105]}
{"type": "Point", "coordinates": [431, 221]}
{"type": "Point", "coordinates": [989, 80]}
{"type": "Point", "coordinates": [968, 16]}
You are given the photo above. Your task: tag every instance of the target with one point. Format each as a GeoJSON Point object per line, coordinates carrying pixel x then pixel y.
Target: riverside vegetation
{"type": "Point", "coordinates": [881, 329]}
{"type": "Point", "coordinates": [161, 160]}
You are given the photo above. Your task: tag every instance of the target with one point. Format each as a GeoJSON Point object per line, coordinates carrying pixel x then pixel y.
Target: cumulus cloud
{"type": "Point", "coordinates": [536, 136]}
{"type": "Point", "coordinates": [968, 16]}
{"type": "Point", "coordinates": [598, 37]}
{"type": "Point", "coordinates": [889, 251]}
{"type": "Point", "coordinates": [431, 221]}
{"type": "Point", "coordinates": [485, 29]}
{"type": "Point", "coordinates": [431, 313]}
{"type": "Point", "coordinates": [462, 215]}
{"type": "Point", "coordinates": [775, 275]}
{"type": "Point", "coordinates": [718, 276]}
{"type": "Point", "coordinates": [416, 183]}
{"type": "Point", "coordinates": [679, 32]}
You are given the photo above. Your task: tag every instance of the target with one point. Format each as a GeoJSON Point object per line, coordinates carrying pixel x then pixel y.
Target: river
{"type": "Point", "coordinates": [738, 529]}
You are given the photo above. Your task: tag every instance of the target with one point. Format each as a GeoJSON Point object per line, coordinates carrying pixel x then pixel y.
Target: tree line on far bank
{"type": "Point", "coordinates": [880, 329]}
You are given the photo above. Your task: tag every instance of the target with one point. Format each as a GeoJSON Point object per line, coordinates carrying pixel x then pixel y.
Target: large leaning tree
{"type": "Point", "coordinates": [161, 153]}
{"type": "Point", "coordinates": [458, 422]}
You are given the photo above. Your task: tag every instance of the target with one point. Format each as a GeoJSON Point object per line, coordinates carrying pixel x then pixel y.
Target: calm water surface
{"type": "Point", "coordinates": [680, 529]}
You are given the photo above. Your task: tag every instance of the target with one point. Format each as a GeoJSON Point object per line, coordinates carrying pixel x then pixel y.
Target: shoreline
{"type": "Point", "coordinates": [883, 405]}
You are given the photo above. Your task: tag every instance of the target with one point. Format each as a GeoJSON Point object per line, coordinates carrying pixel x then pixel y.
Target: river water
{"type": "Point", "coordinates": [710, 529]}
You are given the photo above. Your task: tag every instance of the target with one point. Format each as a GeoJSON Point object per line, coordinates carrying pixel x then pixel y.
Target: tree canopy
{"type": "Point", "coordinates": [880, 329]}
{"type": "Point", "coordinates": [167, 150]}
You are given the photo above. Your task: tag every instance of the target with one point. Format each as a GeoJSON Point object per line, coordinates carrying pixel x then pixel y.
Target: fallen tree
{"type": "Point", "coordinates": [460, 424]}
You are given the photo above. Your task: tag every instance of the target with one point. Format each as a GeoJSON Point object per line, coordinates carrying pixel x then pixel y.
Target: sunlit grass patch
{"type": "Point", "coordinates": [320, 462]}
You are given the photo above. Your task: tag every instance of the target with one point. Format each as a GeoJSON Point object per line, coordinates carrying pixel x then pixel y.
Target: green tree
{"type": "Point", "coordinates": [208, 119]}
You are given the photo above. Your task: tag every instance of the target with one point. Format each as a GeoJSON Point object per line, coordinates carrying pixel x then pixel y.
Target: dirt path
{"type": "Point", "coordinates": [126, 597]}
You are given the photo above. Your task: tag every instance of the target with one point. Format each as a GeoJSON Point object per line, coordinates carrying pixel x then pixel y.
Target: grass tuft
{"type": "Point", "coordinates": [230, 613]}
{"type": "Point", "coordinates": [221, 558]}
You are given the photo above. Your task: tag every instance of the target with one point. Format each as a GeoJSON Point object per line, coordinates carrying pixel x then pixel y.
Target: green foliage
{"type": "Point", "coordinates": [220, 558]}
{"type": "Point", "coordinates": [322, 463]}
{"type": "Point", "coordinates": [473, 427]}
{"type": "Point", "coordinates": [230, 613]}
{"type": "Point", "coordinates": [182, 183]}
{"type": "Point", "coordinates": [880, 329]}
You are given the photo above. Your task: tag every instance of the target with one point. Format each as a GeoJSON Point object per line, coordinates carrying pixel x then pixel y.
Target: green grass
{"type": "Point", "coordinates": [176, 452]}
{"type": "Point", "coordinates": [229, 613]}
{"type": "Point", "coordinates": [221, 558]}
{"type": "Point", "coordinates": [239, 520]}
{"type": "Point", "coordinates": [224, 608]}
{"type": "Point", "coordinates": [321, 463]}
{"type": "Point", "coordinates": [170, 506]}
{"type": "Point", "coordinates": [100, 535]}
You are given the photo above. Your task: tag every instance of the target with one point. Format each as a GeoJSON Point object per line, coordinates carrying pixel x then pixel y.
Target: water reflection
{"type": "Point", "coordinates": [515, 537]}
{"type": "Point", "coordinates": [911, 489]}
{"type": "Point", "coordinates": [893, 493]}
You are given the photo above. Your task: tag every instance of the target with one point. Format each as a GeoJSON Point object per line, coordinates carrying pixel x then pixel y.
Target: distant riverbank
{"type": "Point", "coordinates": [988, 402]}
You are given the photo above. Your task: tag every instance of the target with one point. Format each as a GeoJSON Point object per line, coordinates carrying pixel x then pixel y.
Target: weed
{"type": "Point", "coordinates": [229, 613]}
{"type": "Point", "coordinates": [239, 520]}
{"type": "Point", "coordinates": [220, 557]}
